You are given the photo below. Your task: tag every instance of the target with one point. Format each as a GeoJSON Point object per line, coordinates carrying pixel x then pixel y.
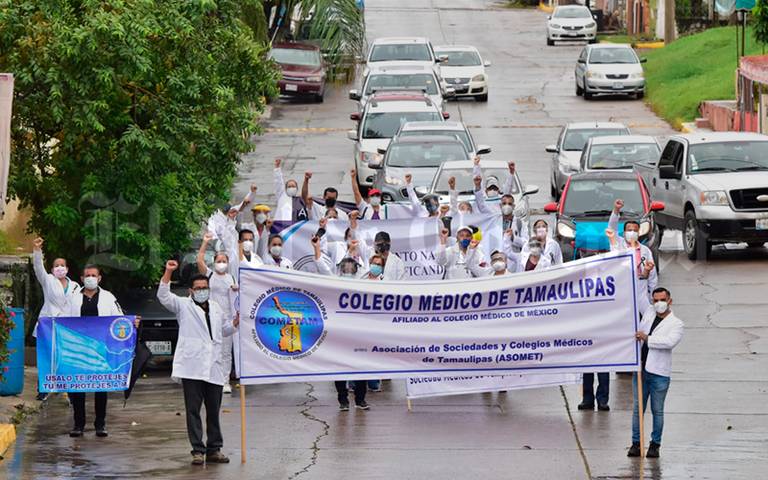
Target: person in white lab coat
{"type": "Point", "coordinates": [57, 286]}
{"type": "Point", "coordinates": [223, 287]}
{"type": "Point", "coordinates": [426, 207]}
{"type": "Point", "coordinates": [530, 258]}
{"type": "Point", "coordinates": [370, 210]}
{"type": "Point", "coordinates": [456, 259]}
{"type": "Point", "coordinates": [91, 300]}
{"type": "Point", "coordinates": [394, 267]}
{"type": "Point", "coordinates": [197, 360]}
{"type": "Point", "coordinates": [315, 210]}
{"type": "Point", "coordinates": [274, 254]}
{"type": "Point", "coordinates": [497, 268]}
{"type": "Point", "coordinates": [259, 227]}
{"type": "Point", "coordinates": [660, 331]}
{"type": "Point", "coordinates": [290, 206]}
{"type": "Point", "coordinates": [551, 249]}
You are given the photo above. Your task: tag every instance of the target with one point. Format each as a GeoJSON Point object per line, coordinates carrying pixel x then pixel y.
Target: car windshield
{"type": "Point", "coordinates": [417, 52]}
{"type": "Point", "coordinates": [728, 156]}
{"type": "Point", "coordinates": [424, 154]}
{"type": "Point", "coordinates": [465, 183]}
{"type": "Point", "coordinates": [591, 195]}
{"type": "Point", "coordinates": [621, 155]}
{"type": "Point", "coordinates": [412, 81]}
{"type": "Point", "coordinates": [461, 58]}
{"type": "Point", "coordinates": [572, 13]}
{"type": "Point", "coordinates": [290, 56]}
{"type": "Point", "coordinates": [460, 134]}
{"type": "Point", "coordinates": [575, 139]}
{"type": "Point", "coordinates": [385, 125]}
{"type": "Point", "coordinates": [612, 55]}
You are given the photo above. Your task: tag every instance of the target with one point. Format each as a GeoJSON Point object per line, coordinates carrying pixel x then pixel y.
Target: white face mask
{"type": "Point", "coordinates": [375, 201]}
{"type": "Point", "coordinates": [499, 266]}
{"type": "Point", "coordinates": [247, 246]}
{"type": "Point", "coordinates": [507, 209]}
{"type": "Point", "coordinates": [492, 193]}
{"type": "Point", "coordinates": [631, 236]}
{"type": "Point", "coordinates": [60, 271]}
{"type": "Point", "coordinates": [276, 250]}
{"type": "Point", "coordinates": [220, 267]}
{"type": "Point", "coordinates": [535, 251]}
{"type": "Point", "coordinates": [661, 307]}
{"type": "Point", "coordinates": [465, 211]}
{"type": "Point", "coordinates": [261, 218]}
{"type": "Point", "coordinates": [200, 296]}
{"type": "Point", "coordinates": [541, 232]}
{"type": "Point", "coordinates": [91, 283]}
{"type": "Point", "coordinates": [292, 191]}
{"type": "Point", "coordinates": [347, 275]}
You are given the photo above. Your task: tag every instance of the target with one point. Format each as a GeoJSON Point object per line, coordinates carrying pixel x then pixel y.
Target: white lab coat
{"type": "Point", "coordinates": [394, 268]}
{"type": "Point", "coordinates": [456, 263]}
{"type": "Point", "coordinates": [198, 352]}
{"type": "Point", "coordinates": [107, 305]}
{"type": "Point", "coordinates": [260, 240]}
{"type": "Point", "coordinates": [318, 211]}
{"type": "Point", "coordinates": [520, 260]}
{"type": "Point", "coordinates": [664, 339]}
{"type": "Point", "coordinates": [55, 298]}
{"type": "Point", "coordinates": [552, 251]}
{"type": "Point", "coordinates": [282, 262]}
{"type": "Point", "coordinates": [644, 286]}
{"type": "Point", "coordinates": [366, 211]}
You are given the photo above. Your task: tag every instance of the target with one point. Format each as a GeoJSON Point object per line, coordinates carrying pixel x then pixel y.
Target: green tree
{"type": "Point", "coordinates": [129, 119]}
{"type": "Point", "coordinates": [760, 21]}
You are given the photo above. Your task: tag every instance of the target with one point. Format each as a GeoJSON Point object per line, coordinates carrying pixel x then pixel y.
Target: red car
{"type": "Point", "coordinates": [303, 70]}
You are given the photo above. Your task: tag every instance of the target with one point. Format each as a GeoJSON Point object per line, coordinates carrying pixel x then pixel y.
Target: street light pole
{"type": "Point", "coordinates": [669, 21]}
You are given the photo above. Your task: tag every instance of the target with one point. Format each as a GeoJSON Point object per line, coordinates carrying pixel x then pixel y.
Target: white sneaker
{"type": "Point", "coordinates": [227, 388]}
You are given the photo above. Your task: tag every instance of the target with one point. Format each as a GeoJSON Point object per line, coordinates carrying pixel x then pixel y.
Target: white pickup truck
{"type": "Point", "coordinates": [714, 187]}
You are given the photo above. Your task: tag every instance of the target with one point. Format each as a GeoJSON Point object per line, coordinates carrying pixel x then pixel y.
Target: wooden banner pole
{"type": "Point", "coordinates": [242, 423]}
{"type": "Point", "coordinates": [408, 403]}
{"type": "Point", "coordinates": [640, 409]}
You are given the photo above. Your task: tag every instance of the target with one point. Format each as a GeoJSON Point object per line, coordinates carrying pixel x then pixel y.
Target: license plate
{"type": "Point", "coordinates": [761, 224]}
{"type": "Point", "coordinates": [291, 88]}
{"type": "Point", "coordinates": [159, 348]}
{"type": "Point", "coordinates": [618, 85]}
{"type": "Point", "coordinates": [572, 34]}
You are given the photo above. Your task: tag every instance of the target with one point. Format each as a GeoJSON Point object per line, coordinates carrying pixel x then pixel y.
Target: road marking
{"type": "Point", "coordinates": [508, 126]}
{"type": "Point", "coordinates": [305, 130]}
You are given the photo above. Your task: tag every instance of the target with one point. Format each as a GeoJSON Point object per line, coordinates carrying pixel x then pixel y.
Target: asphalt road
{"type": "Point", "coordinates": [716, 413]}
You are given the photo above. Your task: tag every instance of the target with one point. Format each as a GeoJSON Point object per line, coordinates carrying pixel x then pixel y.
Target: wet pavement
{"type": "Point", "coordinates": [716, 419]}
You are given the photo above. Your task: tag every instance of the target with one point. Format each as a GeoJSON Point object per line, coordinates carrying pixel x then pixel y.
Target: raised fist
{"type": "Point", "coordinates": [207, 237]}
{"type": "Point", "coordinates": [408, 178]}
{"type": "Point", "coordinates": [278, 162]}
{"type": "Point", "coordinates": [452, 183]}
{"type": "Point", "coordinates": [171, 265]}
{"type": "Point", "coordinates": [254, 188]}
{"type": "Point", "coordinates": [307, 175]}
{"type": "Point", "coordinates": [511, 166]}
{"type": "Point", "coordinates": [618, 205]}
{"type": "Point", "coordinates": [38, 243]}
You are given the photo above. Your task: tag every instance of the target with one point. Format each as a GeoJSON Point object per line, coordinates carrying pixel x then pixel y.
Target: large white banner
{"type": "Point", "coordinates": [576, 317]}
{"type": "Point", "coordinates": [414, 240]}
{"type": "Point", "coordinates": [422, 387]}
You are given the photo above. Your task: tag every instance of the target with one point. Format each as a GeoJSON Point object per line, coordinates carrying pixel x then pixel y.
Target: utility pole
{"type": "Point", "coordinates": [669, 21]}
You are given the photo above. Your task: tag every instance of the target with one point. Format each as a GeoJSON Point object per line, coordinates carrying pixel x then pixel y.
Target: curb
{"type": "Point", "coordinates": [7, 437]}
{"type": "Point", "coordinates": [546, 8]}
{"type": "Point", "coordinates": [651, 45]}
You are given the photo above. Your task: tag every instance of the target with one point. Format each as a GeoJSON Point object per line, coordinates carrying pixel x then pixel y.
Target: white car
{"type": "Point", "coordinates": [410, 50]}
{"type": "Point", "coordinates": [380, 120]}
{"type": "Point", "coordinates": [402, 76]}
{"type": "Point", "coordinates": [618, 152]}
{"type": "Point", "coordinates": [609, 69]}
{"type": "Point", "coordinates": [569, 23]}
{"type": "Point", "coordinates": [463, 68]}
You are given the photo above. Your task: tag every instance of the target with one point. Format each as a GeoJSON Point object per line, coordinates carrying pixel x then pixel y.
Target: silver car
{"type": "Point", "coordinates": [619, 152]}
{"type": "Point", "coordinates": [566, 153]}
{"type": "Point", "coordinates": [419, 156]}
{"type": "Point", "coordinates": [609, 68]}
{"type": "Point", "coordinates": [399, 77]}
{"type": "Point", "coordinates": [451, 129]}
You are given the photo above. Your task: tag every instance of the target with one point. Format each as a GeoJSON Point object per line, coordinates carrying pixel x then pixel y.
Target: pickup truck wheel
{"type": "Point", "coordinates": [552, 191]}
{"type": "Point", "coordinates": [694, 240]}
{"type": "Point", "coordinates": [579, 90]}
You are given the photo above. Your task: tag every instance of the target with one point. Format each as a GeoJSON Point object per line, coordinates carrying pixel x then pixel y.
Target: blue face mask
{"type": "Point", "coordinates": [464, 243]}
{"type": "Point", "coordinates": [376, 270]}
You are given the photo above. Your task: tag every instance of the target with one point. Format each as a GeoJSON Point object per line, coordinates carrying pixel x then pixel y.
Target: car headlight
{"type": "Point", "coordinates": [591, 74]}
{"type": "Point", "coordinates": [314, 79]}
{"type": "Point", "coordinates": [565, 230]}
{"type": "Point", "coordinates": [554, 25]}
{"type": "Point", "coordinates": [636, 75]}
{"type": "Point", "coordinates": [590, 25]}
{"type": "Point", "coordinates": [645, 228]}
{"type": "Point", "coordinates": [478, 78]}
{"type": "Point", "coordinates": [393, 180]}
{"type": "Point", "coordinates": [714, 197]}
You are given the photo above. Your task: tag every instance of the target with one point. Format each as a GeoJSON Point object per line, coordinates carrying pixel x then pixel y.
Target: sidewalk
{"type": "Point", "coordinates": [14, 408]}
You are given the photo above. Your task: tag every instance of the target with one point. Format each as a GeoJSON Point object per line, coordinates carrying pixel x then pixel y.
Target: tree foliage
{"type": "Point", "coordinates": [760, 21]}
{"type": "Point", "coordinates": [129, 120]}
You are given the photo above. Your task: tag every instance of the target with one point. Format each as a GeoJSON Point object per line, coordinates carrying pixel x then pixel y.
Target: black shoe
{"type": "Point", "coordinates": [653, 450]}
{"type": "Point", "coordinates": [603, 407]}
{"type": "Point", "coordinates": [76, 432]}
{"type": "Point", "coordinates": [634, 450]}
{"type": "Point", "coordinates": [344, 407]}
{"type": "Point", "coordinates": [362, 405]}
{"type": "Point", "coordinates": [586, 406]}
{"type": "Point", "coordinates": [41, 397]}
{"type": "Point", "coordinates": [102, 432]}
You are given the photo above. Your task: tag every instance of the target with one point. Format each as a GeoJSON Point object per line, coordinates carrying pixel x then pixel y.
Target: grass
{"type": "Point", "coordinates": [693, 69]}
{"type": "Point", "coordinates": [5, 244]}
{"type": "Point", "coordinates": [631, 39]}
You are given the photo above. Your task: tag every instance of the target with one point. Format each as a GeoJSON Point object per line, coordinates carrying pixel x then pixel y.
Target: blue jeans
{"type": "Point", "coordinates": [588, 390]}
{"type": "Point", "coordinates": [656, 387]}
